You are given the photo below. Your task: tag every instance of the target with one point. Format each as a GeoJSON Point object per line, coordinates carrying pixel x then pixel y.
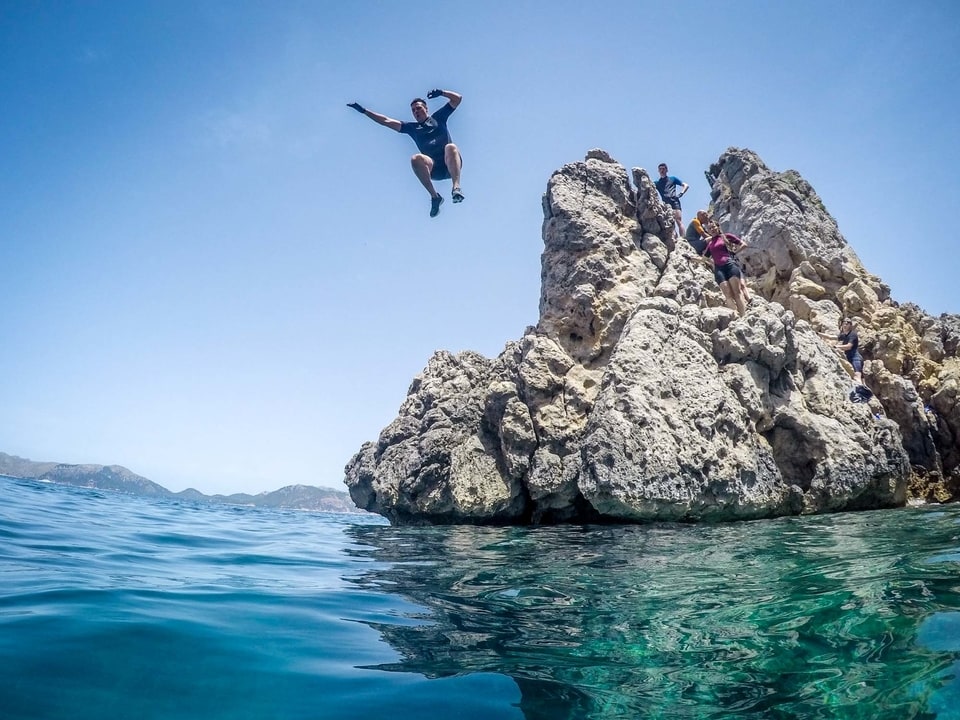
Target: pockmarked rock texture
{"type": "Point", "coordinates": [639, 396]}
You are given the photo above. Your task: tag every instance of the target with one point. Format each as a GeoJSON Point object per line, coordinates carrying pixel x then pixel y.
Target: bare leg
{"type": "Point", "coordinates": [678, 216]}
{"type": "Point", "coordinates": [733, 301]}
{"type": "Point", "coordinates": [725, 288]}
{"type": "Point", "coordinates": [422, 165]}
{"type": "Point", "coordinates": [451, 156]}
{"type": "Point", "coordinates": [736, 292]}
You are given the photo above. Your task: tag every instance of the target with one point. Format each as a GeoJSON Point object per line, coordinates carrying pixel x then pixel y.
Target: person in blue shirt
{"type": "Point", "coordinates": [667, 187]}
{"type": "Point", "coordinates": [438, 157]}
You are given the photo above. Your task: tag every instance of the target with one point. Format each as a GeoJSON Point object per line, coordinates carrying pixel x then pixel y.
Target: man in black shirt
{"type": "Point", "coordinates": [848, 342]}
{"type": "Point", "coordinates": [439, 158]}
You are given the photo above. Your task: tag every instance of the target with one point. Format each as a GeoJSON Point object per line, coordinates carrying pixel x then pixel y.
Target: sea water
{"type": "Point", "coordinates": [114, 606]}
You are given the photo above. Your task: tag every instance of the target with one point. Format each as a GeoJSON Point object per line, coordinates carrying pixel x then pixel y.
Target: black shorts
{"type": "Point", "coordinates": [673, 202]}
{"type": "Point", "coordinates": [724, 272]}
{"type": "Point", "coordinates": [440, 171]}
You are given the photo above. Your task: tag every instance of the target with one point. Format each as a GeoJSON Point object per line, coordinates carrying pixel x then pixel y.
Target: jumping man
{"type": "Point", "coordinates": [438, 158]}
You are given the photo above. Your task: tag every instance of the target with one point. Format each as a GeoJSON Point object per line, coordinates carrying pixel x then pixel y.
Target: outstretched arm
{"type": "Point", "coordinates": [376, 117]}
{"type": "Point", "coordinates": [450, 95]}
{"type": "Point", "coordinates": [837, 345]}
{"type": "Point", "coordinates": [705, 258]}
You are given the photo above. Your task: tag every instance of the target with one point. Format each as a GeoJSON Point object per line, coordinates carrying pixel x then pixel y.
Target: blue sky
{"type": "Point", "coordinates": [217, 275]}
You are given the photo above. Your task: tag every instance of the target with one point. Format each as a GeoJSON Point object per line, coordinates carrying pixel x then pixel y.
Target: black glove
{"type": "Point", "coordinates": [434, 94]}
{"type": "Point", "coordinates": [358, 107]}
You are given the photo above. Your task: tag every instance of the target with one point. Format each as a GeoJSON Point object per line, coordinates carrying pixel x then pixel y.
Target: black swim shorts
{"type": "Point", "coordinates": [724, 272]}
{"type": "Point", "coordinates": [673, 202]}
{"type": "Point", "coordinates": [439, 171]}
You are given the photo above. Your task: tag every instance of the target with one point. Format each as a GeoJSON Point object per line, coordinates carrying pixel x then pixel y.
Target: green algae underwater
{"type": "Point", "coordinates": [853, 615]}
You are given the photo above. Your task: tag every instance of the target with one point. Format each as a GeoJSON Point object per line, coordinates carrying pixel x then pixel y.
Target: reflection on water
{"type": "Point", "coordinates": [847, 616]}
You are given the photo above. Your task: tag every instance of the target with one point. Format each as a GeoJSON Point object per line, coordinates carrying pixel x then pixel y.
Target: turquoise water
{"type": "Point", "coordinates": [120, 607]}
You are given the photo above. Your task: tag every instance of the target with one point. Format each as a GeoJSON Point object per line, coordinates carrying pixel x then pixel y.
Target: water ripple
{"type": "Point", "coordinates": [112, 606]}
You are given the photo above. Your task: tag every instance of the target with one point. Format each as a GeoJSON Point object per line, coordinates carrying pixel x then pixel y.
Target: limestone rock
{"type": "Point", "coordinates": [640, 396]}
{"type": "Point", "coordinates": [799, 258]}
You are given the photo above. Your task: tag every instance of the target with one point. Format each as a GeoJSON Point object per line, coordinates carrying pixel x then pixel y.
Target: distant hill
{"type": "Point", "coordinates": [299, 497]}
{"type": "Point", "coordinates": [115, 477]}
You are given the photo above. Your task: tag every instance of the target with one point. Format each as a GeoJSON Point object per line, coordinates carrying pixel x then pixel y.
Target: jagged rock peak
{"type": "Point", "coordinates": [639, 396]}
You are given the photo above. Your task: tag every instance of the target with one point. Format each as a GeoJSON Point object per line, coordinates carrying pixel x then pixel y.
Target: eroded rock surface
{"type": "Point", "coordinates": [639, 396]}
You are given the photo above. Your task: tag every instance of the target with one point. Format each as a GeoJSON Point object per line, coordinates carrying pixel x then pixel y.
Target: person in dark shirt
{"type": "Point", "coordinates": [438, 157]}
{"type": "Point", "coordinates": [696, 233]}
{"type": "Point", "coordinates": [667, 187]}
{"type": "Point", "coordinates": [848, 342]}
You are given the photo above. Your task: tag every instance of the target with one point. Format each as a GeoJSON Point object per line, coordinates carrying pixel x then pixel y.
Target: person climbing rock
{"type": "Point", "coordinates": [697, 235]}
{"type": "Point", "coordinates": [667, 187]}
{"type": "Point", "coordinates": [439, 158]}
{"type": "Point", "coordinates": [719, 253]}
{"type": "Point", "coordinates": [848, 342]}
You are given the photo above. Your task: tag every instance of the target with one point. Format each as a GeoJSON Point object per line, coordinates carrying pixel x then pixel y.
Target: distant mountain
{"type": "Point", "coordinates": [103, 477]}
{"type": "Point", "coordinates": [299, 497]}
{"type": "Point", "coordinates": [115, 477]}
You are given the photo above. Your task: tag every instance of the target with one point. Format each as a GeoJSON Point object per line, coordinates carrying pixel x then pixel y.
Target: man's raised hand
{"type": "Point", "coordinates": [357, 106]}
{"type": "Point", "coordinates": [435, 93]}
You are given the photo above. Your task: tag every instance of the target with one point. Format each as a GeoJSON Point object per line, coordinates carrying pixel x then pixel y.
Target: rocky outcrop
{"type": "Point", "coordinates": [639, 396]}
{"type": "Point", "coordinates": [798, 258]}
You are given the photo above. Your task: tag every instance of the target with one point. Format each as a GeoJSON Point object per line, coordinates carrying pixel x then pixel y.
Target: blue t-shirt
{"type": "Point", "coordinates": [431, 136]}
{"type": "Point", "coordinates": [667, 186]}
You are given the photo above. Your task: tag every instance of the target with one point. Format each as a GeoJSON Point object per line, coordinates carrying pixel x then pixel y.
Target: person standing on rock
{"type": "Point", "coordinates": [719, 253]}
{"type": "Point", "coordinates": [439, 158]}
{"type": "Point", "coordinates": [697, 234]}
{"type": "Point", "coordinates": [667, 187]}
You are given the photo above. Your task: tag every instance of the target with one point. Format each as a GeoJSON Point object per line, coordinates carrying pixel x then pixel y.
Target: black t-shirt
{"type": "Point", "coordinates": [851, 339]}
{"type": "Point", "coordinates": [431, 136]}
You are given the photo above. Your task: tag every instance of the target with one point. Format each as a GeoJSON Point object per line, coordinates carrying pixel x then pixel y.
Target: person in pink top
{"type": "Point", "coordinates": [720, 253]}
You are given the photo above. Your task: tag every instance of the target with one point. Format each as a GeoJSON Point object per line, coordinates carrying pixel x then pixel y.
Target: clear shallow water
{"type": "Point", "coordinates": [120, 607]}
